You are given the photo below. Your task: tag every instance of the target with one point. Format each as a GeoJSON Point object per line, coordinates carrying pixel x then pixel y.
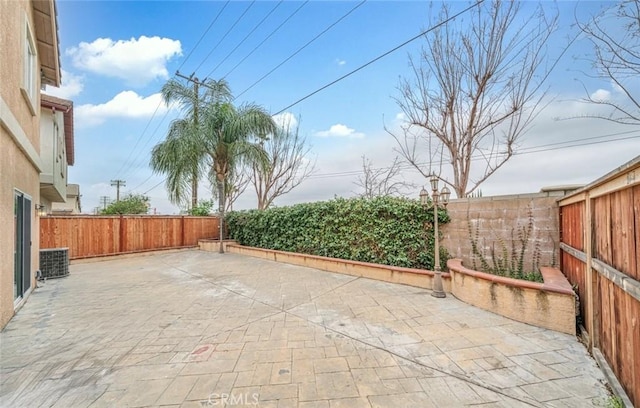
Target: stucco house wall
{"type": "Point", "coordinates": [20, 161]}
{"type": "Point", "coordinates": [56, 149]}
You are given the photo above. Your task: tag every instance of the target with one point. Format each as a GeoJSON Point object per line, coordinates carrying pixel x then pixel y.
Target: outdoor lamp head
{"type": "Point", "coordinates": [434, 182]}
{"type": "Point", "coordinates": [444, 195]}
{"type": "Point", "coordinates": [424, 196]}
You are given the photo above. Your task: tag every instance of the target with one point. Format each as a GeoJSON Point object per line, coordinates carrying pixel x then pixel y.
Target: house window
{"type": "Point", "coordinates": [29, 83]}
{"type": "Point", "coordinates": [56, 139]}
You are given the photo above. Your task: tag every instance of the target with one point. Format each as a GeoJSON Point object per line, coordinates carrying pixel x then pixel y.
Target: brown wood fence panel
{"type": "Point", "coordinates": [601, 226]}
{"type": "Point", "coordinates": [83, 236]}
{"type": "Point", "coordinates": [572, 228]}
{"type": "Point", "coordinates": [89, 236]}
{"type": "Point", "coordinates": [195, 229]}
{"type": "Point", "coordinates": [619, 335]}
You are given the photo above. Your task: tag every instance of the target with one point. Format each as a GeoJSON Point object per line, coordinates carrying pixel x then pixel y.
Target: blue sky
{"type": "Point", "coordinates": [117, 55]}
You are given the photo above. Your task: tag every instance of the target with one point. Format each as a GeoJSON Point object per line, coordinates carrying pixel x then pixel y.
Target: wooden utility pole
{"type": "Point", "coordinates": [196, 102]}
{"type": "Point", "coordinates": [104, 201]}
{"type": "Point", "coordinates": [117, 184]}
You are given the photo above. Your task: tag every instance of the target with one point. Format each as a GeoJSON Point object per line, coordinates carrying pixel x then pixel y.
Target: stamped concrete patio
{"type": "Point", "coordinates": [194, 328]}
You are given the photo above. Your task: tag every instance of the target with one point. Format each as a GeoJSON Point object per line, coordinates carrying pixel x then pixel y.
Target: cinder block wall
{"type": "Point", "coordinates": [496, 218]}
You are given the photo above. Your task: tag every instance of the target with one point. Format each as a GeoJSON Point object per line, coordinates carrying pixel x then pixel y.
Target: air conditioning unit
{"type": "Point", "coordinates": [54, 263]}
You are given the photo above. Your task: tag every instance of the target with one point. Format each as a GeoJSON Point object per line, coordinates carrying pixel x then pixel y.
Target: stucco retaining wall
{"type": "Point", "coordinates": [550, 304]}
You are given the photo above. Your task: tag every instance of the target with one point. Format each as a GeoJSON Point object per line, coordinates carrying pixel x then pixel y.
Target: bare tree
{"type": "Point", "coordinates": [617, 59]}
{"type": "Point", "coordinates": [379, 182]}
{"type": "Point", "coordinates": [285, 167]}
{"type": "Point", "coordinates": [474, 91]}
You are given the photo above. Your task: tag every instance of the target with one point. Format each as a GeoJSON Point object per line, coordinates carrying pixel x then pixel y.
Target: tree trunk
{"type": "Point", "coordinates": [194, 191]}
{"type": "Point", "coordinates": [221, 210]}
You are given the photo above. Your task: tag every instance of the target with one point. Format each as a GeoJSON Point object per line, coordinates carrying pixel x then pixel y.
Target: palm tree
{"type": "Point", "coordinates": [230, 138]}
{"type": "Point", "coordinates": [180, 156]}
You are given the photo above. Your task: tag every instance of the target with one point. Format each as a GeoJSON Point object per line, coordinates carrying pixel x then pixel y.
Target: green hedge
{"type": "Point", "coordinates": [385, 230]}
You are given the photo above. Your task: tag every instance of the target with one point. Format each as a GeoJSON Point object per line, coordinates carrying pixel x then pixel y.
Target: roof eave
{"type": "Point", "coordinates": [46, 28]}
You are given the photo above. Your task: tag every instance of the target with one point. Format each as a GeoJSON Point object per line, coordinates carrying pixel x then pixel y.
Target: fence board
{"type": "Point", "coordinates": [88, 236]}
{"type": "Point", "coordinates": [623, 232]}
{"type": "Point", "coordinates": [572, 230]}
{"type": "Point", "coordinates": [602, 228]}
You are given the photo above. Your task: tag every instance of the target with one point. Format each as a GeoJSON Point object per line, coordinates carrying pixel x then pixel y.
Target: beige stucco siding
{"type": "Point", "coordinates": [17, 172]}
{"type": "Point", "coordinates": [12, 33]}
{"type": "Point", "coordinates": [19, 144]}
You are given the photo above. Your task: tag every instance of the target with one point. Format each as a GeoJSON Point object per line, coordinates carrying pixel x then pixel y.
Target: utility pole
{"type": "Point", "coordinates": [117, 184]}
{"type": "Point", "coordinates": [196, 102]}
{"type": "Point", "coordinates": [104, 201]}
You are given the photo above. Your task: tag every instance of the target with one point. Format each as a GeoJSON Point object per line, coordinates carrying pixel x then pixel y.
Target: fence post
{"type": "Point", "coordinates": [182, 231]}
{"type": "Point", "coordinates": [590, 276]}
{"type": "Point", "coordinates": [123, 231]}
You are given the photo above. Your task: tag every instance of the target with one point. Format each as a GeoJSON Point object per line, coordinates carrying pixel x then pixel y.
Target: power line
{"type": "Point", "coordinates": [527, 150]}
{"type": "Point", "coordinates": [203, 34]}
{"type": "Point", "coordinates": [129, 166]}
{"type": "Point", "coordinates": [141, 184]}
{"type": "Point", "coordinates": [244, 39]}
{"type": "Point", "coordinates": [225, 34]}
{"type": "Point", "coordinates": [140, 138]}
{"type": "Point", "coordinates": [267, 37]}
{"type": "Point", "coordinates": [126, 165]}
{"type": "Point", "coordinates": [315, 38]}
{"type": "Point", "coordinates": [155, 186]}
{"type": "Point", "coordinates": [153, 115]}
{"type": "Point", "coordinates": [443, 22]}
{"type": "Point", "coordinates": [303, 47]}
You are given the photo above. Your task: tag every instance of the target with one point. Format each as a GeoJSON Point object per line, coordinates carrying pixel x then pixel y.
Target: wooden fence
{"type": "Point", "coordinates": [600, 253]}
{"type": "Point", "coordinates": [91, 236]}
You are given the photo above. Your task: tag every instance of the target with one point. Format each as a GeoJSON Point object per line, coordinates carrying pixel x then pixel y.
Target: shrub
{"type": "Point", "coordinates": [386, 230]}
{"type": "Point", "coordinates": [203, 208]}
{"type": "Point", "coordinates": [131, 204]}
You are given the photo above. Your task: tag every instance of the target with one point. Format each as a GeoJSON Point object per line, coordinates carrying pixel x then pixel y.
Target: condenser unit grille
{"type": "Point", "coordinates": [54, 263]}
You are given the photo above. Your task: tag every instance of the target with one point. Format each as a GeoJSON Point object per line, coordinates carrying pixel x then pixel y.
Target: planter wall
{"type": "Point", "coordinates": [550, 304]}
{"type": "Point", "coordinates": [407, 276]}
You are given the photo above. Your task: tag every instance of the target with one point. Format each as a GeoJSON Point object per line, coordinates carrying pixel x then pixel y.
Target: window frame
{"type": "Point", "coordinates": [29, 86]}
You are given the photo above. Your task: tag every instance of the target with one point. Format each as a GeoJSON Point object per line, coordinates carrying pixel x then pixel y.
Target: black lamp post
{"type": "Point", "coordinates": [443, 195]}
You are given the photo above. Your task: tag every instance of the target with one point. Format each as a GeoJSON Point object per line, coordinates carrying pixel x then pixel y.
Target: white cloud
{"type": "Point", "coordinates": [126, 104]}
{"type": "Point", "coordinates": [340, 61]}
{"type": "Point", "coordinates": [71, 86]}
{"type": "Point", "coordinates": [601, 95]}
{"type": "Point", "coordinates": [286, 120]}
{"type": "Point", "coordinates": [138, 61]}
{"type": "Point", "coordinates": [340, 130]}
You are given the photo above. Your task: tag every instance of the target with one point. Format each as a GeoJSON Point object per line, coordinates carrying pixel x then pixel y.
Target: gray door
{"type": "Point", "coordinates": [22, 253]}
